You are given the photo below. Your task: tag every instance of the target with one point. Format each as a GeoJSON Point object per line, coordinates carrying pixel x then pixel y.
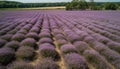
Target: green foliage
{"type": "Point", "coordinates": [110, 6]}
{"type": "Point", "coordinates": [12, 4]}
{"type": "Point", "coordinates": [77, 5]}
{"type": "Point", "coordinates": [74, 5]}
{"type": "Point", "coordinates": [96, 8]}
{"type": "Point", "coordinates": [83, 5]}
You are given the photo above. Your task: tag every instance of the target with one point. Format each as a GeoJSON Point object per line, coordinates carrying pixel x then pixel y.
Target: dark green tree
{"type": "Point", "coordinates": [110, 6]}
{"type": "Point", "coordinates": [77, 5]}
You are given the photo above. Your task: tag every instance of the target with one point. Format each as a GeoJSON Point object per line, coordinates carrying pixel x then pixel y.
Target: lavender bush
{"type": "Point", "coordinates": [6, 55]}
{"type": "Point", "coordinates": [49, 51]}
{"type": "Point", "coordinates": [18, 37]}
{"type": "Point", "coordinates": [22, 31]}
{"type": "Point", "coordinates": [29, 42]}
{"type": "Point", "coordinates": [2, 42]}
{"type": "Point", "coordinates": [35, 29]}
{"type": "Point", "coordinates": [61, 42]}
{"type": "Point", "coordinates": [45, 40]}
{"type": "Point", "coordinates": [32, 35]}
{"type": "Point", "coordinates": [75, 61]}
{"type": "Point", "coordinates": [92, 34]}
{"type": "Point", "coordinates": [59, 36]}
{"type": "Point", "coordinates": [68, 48]}
{"type": "Point", "coordinates": [81, 46]}
{"type": "Point", "coordinates": [44, 34]}
{"type": "Point", "coordinates": [96, 59]}
{"type": "Point", "coordinates": [25, 53]}
{"type": "Point", "coordinates": [7, 37]}
{"type": "Point", "coordinates": [114, 45]}
{"type": "Point", "coordinates": [46, 64]}
{"type": "Point", "coordinates": [20, 65]}
{"type": "Point", "coordinates": [13, 45]}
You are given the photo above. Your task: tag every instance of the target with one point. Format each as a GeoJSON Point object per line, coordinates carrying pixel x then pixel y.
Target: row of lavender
{"type": "Point", "coordinates": [84, 40]}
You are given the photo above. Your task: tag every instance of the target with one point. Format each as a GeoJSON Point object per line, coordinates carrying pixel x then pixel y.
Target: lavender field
{"type": "Point", "coordinates": [58, 39]}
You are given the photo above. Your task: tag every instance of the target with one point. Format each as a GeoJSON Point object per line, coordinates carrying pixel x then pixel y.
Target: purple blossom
{"type": "Point", "coordinates": [18, 37]}
{"type": "Point", "coordinates": [68, 48]}
{"type": "Point", "coordinates": [7, 37]}
{"type": "Point", "coordinates": [59, 36]}
{"type": "Point", "coordinates": [45, 40]}
{"type": "Point", "coordinates": [114, 45]}
{"type": "Point", "coordinates": [29, 42]}
{"type": "Point", "coordinates": [46, 64]}
{"type": "Point", "coordinates": [20, 65]}
{"type": "Point", "coordinates": [2, 42]}
{"type": "Point", "coordinates": [61, 42]}
{"type": "Point", "coordinates": [47, 45]}
{"type": "Point", "coordinates": [48, 51]}
{"type": "Point", "coordinates": [96, 59]}
{"type": "Point", "coordinates": [12, 31]}
{"type": "Point", "coordinates": [25, 53]}
{"type": "Point", "coordinates": [44, 34]}
{"type": "Point", "coordinates": [13, 45]}
{"type": "Point", "coordinates": [6, 55]}
{"type": "Point", "coordinates": [35, 29]}
{"type": "Point", "coordinates": [81, 46]}
{"type": "Point", "coordinates": [22, 31]}
{"type": "Point", "coordinates": [75, 61]}
{"type": "Point", "coordinates": [45, 30]}
{"type": "Point", "coordinates": [72, 37]}
{"type": "Point", "coordinates": [32, 35]}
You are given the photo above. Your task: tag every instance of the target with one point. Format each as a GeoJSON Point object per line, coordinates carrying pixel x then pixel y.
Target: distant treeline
{"type": "Point", "coordinates": [12, 4]}
{"type": "Point", "coordinates": [73, 5]}
{"type": "Point", "coordinates": [83, 5]}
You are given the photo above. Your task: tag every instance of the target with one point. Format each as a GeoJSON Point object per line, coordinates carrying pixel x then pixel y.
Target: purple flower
{"type": "Point", "coordinates": [44, 34]}
{"type": "Point", "coordinates": [49, 51]}
{"type": "Point", "coordinates": [114, 46]}
{"type": "Point", "coordinates": [75, 61]}
{"type": "Point", "coordinates": [45, 30]}
{"type": "Point", "coordinates": [12, 31]}
{"type": "Point", "coordinates": [68, 48]}
{"type": "Point", "coordinates": [25, 53]}
{"type": "Point", "coordinates": [13, 45]}
{"type": "Point", "coordinates": [89, 39]}
{"type": "Point", "coordinates": [22, 31]}
{"type": "Point", "coordinates": [29, 42]}
{"type": "Point", "coordinates": [59, 36]}
{"type": "Point", "coordinates": [96, 59]}
{"type": "Point", "coordinates": [101, 38]}
{"type": "Point", "coordinates": [32, 35]}
{"type": "Point", "coordinates": [27, 27]}
{"type": "Point", "coordinates": [45, 40]}
{"type": "Point", "coordinates": [7, 37]}
{"type": "Point", "coordinates": [46, 64]}
{"type": "Point", "coordinates": [81, 46]}
{"type": "Point", "coordinates": [18, 37]}
{"type": "Point", "coordinates": [2, 42]}
{"type": "Point", "coordinates": [6, 55]}
{"type": "Point", "coordinates": [20, 65]}
{"type": "Point", "coordinates": [61, 42]}
{"type": "Point", "coordinates": [73, 37]}
{"type": "Point", "coordinates": [46, 44]}
{"type": "Point", "coordinates": [110, 55]}
{"type": "Point", "coordinates": [35, 29]}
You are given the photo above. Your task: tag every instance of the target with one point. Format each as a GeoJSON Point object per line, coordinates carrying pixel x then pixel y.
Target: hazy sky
{"type": "Point", "coordinates": [28, 1]}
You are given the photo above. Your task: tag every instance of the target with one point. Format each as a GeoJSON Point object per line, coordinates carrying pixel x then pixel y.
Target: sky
{"type": "Point", "coordinates": [36, 1]}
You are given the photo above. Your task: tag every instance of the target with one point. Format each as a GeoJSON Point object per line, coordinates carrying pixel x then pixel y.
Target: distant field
{"type": "Point", "coordinates": [38, 8]}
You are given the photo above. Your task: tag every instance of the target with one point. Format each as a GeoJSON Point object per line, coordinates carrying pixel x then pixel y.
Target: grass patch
{"type": "Point", "coordinates": [37, 8]}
